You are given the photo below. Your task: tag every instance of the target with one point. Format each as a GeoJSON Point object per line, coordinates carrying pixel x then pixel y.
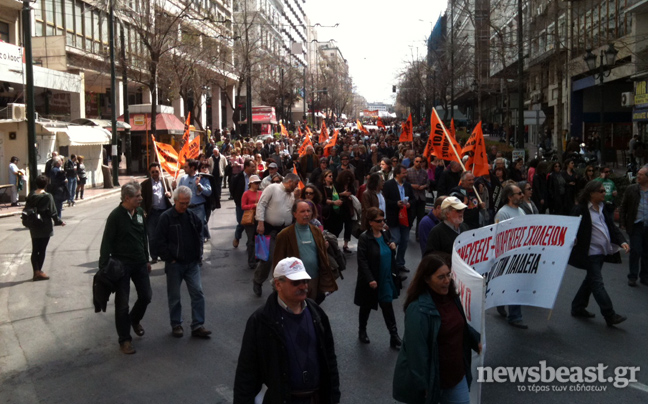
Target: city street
{"type": "Point", "coordinates": [55, 349]}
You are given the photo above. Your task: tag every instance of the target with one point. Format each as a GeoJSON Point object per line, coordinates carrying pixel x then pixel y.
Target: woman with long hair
{"type": "Point", "coordinates": [261, 165]}
{"type": "Point", "coordinates": [83, 177]}
{"type": "Point", "coordinates": [527, 205]}
{"type": "Point", "coordinates": [571, 182]}
{"type": "Point", "coordinates": [311, 193]}
{"type": "Point", "coordinates": [249, 202]}
{"type": "Point", "coordinates": [540, 195]}
{"type": "Point", "coordinates": [372, 198]}
{"type": "Point", "coordinates": [331, 204]}
{"type": "Point", "coordinates": [434, 364]}
{"type": "Point", "coordinates": [588, 175]}
{"type": "Point", "coordinates": [346, 188]}
{"type": "Point", "coordinates": [556, 186]}
{"type": "Point", "coordinates": [377, 277]}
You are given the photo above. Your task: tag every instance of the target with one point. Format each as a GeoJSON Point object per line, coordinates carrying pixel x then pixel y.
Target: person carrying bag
{"type": "Point", "coordinates": [248, 204]}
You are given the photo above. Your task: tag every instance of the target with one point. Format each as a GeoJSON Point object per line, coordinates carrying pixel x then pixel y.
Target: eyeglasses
{"type": "Point", "coordinates": [378, 220]}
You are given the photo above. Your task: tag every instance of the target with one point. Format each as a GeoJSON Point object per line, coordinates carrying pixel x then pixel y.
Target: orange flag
{"type": "Point", "coordinates": [185, 136]}
{"type": "Point", "coordinates": [407, 134]}
{"type": "Point", "coordinates": [301, 184]}
{"type": "Point", "coordinates": [453, 132]}
{"type": "Point", "coordinates": [301, 135]}
{"type": "Point", "coordinates": [308, 131]}
{"type": "Point", "coordinates": [380, 123]}
{"type": "Point", "coordinates": [284, 132]}
{"type": "Point", "coordinates": [330, 144]}
{"type": "Point", "coordinates": [362, 128]}
{"type": "Point", "coordinates": [476, 150]}
{"type": "Point", "coordinates": [440, 143]}
{"type": "Point", "coordinates": [190, 150]}
{"type": "Point", "coordinates": [167, 156]}
{"type": "Point", "coordinates": [307, 142]}
{"type": "Point", "coordinates": [323, 137]}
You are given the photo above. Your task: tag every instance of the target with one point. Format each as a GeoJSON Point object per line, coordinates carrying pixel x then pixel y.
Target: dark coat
{"type": "Point", "coordinates": [263, 358]}
{"type": "Point", "coordinates": [629, 207]}
{"type": "Point", "coordinates": [392, 196]}
{"type": "Point", "coordinates": [369, 269]}
{"type": "Point", "coordinates": [237, 187]}
{"type": "Point", "coordinates": [448, 180]}
{"type": "Point", "coordinates": [540, 191]}
{"type": "Point", "coordinates": [172, 244]}
{"type": "Point", "coordinates": [147, 194]}
{"type": "Point", "coordinates": [580, 253]}
{"type": "Point", "coordinates": [44, 205]}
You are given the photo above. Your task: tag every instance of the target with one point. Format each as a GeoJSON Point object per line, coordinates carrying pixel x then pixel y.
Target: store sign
{"type": "Point", "coordinates": [11, 56]}
{"type": "Point", "coordinates": [139, 120]}
{"type": "Point", "coordinates": [639, 115]}
{"type": "Point", "coordinates": [641, 96]}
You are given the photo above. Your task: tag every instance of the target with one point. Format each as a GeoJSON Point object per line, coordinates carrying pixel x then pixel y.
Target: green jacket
{"type": "Point", "coordinates": [124, 238]}
{"type": "Point", "coordinates": [417, 367]}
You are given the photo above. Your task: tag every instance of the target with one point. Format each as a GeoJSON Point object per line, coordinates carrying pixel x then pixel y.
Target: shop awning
{"type": "Point", "coordinates": [165, 123]}
{"type": "Point", "coordinates": [50, 128]}
{"type": "Point", "coordinates": [103, 123]}
{"type": "Point", "coordinates": [84, 136]}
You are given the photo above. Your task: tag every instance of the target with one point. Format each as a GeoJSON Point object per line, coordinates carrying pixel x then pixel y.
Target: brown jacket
{"type": "Point", "coordinates": [369, 200]}
{"type": "Point", "coordinates": [286, 246]}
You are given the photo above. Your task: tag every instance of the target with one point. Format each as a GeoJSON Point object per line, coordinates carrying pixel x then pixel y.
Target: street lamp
{"type": "Point", "coordinates": [607, 60]}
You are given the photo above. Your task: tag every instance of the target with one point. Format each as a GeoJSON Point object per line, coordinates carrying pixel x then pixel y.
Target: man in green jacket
{"type": "Point", "coordinates": [125, 240]}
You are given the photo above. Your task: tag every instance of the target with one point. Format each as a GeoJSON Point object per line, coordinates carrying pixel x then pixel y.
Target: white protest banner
{"type": "Point", "coordinates": [523, 259]}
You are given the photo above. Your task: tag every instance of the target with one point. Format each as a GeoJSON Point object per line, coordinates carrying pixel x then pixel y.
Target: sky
{"type": "Point", "coordinates": [376, 37]}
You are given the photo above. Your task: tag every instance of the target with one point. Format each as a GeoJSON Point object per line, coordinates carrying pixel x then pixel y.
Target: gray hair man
{"type": "Point", "coordinates": [178, 243]}
{"type": "Point", "coordinates": [125, 241]}
{"type": "Point", "coordinates": [273, 213]}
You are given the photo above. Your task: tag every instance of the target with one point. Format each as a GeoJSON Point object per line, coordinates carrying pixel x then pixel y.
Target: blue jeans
{"type": "Point", "coordinates": [458, 394]}
{"type": "Point", "coordinates": [593, 285]}
{"type": "Point", "coordinates": [639, 251]}
{"type": "Point", "coordinates": [514, 313]}
{"type": "Point", "coordinates": [400, 236]}
{"type": "Point", "coordinates": [190, 273]}
{"type": "Point", "coordinates": [238, 233]}
{"type": "Point", "coordinates": [200, 212]}
{"type": "Point", "coordinates": [72, 184]}
{"type": "Point", "coordinates": [138, 273]}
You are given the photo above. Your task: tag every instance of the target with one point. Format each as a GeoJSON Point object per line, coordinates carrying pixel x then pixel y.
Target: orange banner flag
{"type": "Point", "coordinates": [323, 137]}
{"type": "Point", "coordinates": [362, 128]}
{"type": "Point", "coordinates": [380, 124]}
{"type": "Point", "coordinates": [330, 144]}
{"type": "Point", "coordinates": [453, 132]}
{"type": "Point", "coordinates": [185, 136]}
{"type": "Point", "coordinates": [407, 134]}
{"type": "Point", "coordinates": [284, 132]}
{"type": "Point", "coordinates": [308, 131]}
{"type": "Point", "coordinates": [301, 184]}
{"type": "Point", "coordinates": [167, 156]}
{"type": "Point", "coordinates": [307, 142]}
{"type": "Point", "coordinates": [301, 135]}
{"type": "Point", "coordinates": [440, 143]}
{"type": "Point", "coordinates": [190, 150]}
{"type": "Point", "coordinates": [476, 150]}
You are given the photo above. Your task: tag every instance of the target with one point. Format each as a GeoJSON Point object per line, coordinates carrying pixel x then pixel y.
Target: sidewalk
{"type": "Point", "coordinates": [89, 194]}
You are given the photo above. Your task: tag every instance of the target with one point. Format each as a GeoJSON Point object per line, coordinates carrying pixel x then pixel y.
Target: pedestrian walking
{"type": "Point", "coordinates": [43, 203]}
{"type": "Point", "coordinates": [82, 177]}
{"type": "Point", "coordinates": [434, 364]}
{"type": "Point", "coordinates": [14, 178]}
{"type": "Point", "coordinates": [288, 346]}
{"type": "Point", "coordinates": [201, 190]}
{"type": "Point", "coordinates": [597, 241]}
{"type": "Point", "coordinates": [249, 203]}
{"type": "Point", "coordinates": [71, 177]}
{"type": "Point", "coordinates": [634, 217]}
{"type": "Point", "coordinates": [178, 243]}
{"type": "Point", "coordinates": [58, 185]}
{"type": "Point", "coordinates": [400, 213]}
{"type": "Point", "coordinates": [378, 283]}
{"type": "Point", "coordinates": [442, 236]}
{"type": "Point", "coordinates": [238, 186]}
{"type": "Point", "coordinates": [125, 240]}
{"type": "Point", "coordinates": [156, 191]}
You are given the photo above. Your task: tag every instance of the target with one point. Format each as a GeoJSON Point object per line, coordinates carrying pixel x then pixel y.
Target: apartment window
{"type": "Point", "coordinates": [4, 31]}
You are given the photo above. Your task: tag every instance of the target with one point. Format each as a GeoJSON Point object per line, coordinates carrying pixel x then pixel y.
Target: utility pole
{"type": "Point", "coordinates": [248, 79]}
{"type": "Point", "coordinates": [452, 51]}
{"type": "Point", "coordinates": [113, 96]}
{"type": "Point", "coordinates": [519, 139]}
{"type": "Point", "coordinates": [31, 107]}
{"type": "Point", "coordinates": [129, 152]}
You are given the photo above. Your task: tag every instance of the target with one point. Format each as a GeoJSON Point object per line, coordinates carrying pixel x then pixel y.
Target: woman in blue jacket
{"type": "Point", "coordinates": [434, 362]}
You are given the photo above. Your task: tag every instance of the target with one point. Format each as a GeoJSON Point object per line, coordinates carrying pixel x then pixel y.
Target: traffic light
{"type": "Point", "coordinates": [393, 89]}
{"type": "Point", "coordinates": [241, 111]}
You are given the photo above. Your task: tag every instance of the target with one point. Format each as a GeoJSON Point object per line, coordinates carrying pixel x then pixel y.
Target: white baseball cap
{"type": "Point", "coordinates": [291, 268]}
{"type": "Point", "coordinates": [453, 202]}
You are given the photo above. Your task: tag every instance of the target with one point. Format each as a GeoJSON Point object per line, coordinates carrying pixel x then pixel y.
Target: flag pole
{"type": "Point", "coordinates": [161, 168]}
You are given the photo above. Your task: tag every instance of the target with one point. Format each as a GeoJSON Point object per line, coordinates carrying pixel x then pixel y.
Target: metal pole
{"type": "Point", "coordinates": [127, 135]}
{"type": "Point", "coordinates": [305, 117]}
{"type": "Point", "coordinates": [602, 134]}
{"type": "Point", "coordinates": [451, 60]}
{"type": "Point", "coordinates": [281, 109]}
{"type": "Point", "coordinates": [520, 126]}
{"type": "Point", "coordinates": [113, 96]}
{"type": "Point", "coordinates": [31, 107]}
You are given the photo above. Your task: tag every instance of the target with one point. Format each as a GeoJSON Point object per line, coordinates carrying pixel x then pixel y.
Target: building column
{"type": "Point", "coordinates": [120, 98]}
{"type": "Point", "coordinates": [229, 111]}
{"type": "Point", "coordinates": [178, 108]}
{"type": "Point", "coordinates": [77, 101]}
{"type": "Point", "coordinates": [216, 105]}
{"type": "Point", "coordinates": [203, 110]}
{"type": "Point", "coordinates": [146, 95]}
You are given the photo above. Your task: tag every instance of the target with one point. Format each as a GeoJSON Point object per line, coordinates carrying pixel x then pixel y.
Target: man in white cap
{"type": "Point", "coordinates": [288, 345]}
{"type": "Point", "coordinates": [443, 235]}
{"type": "Point", "coordinates": [273, 168]}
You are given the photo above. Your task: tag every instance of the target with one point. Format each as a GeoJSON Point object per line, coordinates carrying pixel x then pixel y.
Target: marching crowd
{"type": "Point", "coordinates": [293, 201]}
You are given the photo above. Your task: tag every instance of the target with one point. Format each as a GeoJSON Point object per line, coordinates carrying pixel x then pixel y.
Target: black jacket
{"type": "Point", "coordinates": [580, 252]}
{"type": "Point", "coordinates": [173, 243]}
{"type": "Point", "coordinates": [263, 358]}
{"type": "Point", "coordinates": [237, 187]}
{"type": "Point", "coordinates": [629, 207]}
{"type": "Point", "coordinates": [392, 196]}
{"type": "Point", "coordinates": [369, 269]}
{"type": "Point", "coordinates": [448, 180]}
{"type": "Point", "coordinates": [147, 194]}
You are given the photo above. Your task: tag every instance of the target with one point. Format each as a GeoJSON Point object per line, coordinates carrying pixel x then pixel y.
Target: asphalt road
{"type": "Point", "coordinates": [55, 349]}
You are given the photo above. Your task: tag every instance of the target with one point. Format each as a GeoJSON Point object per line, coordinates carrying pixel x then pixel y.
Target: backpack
{"type": "Point", "coordinates": [70, 169]}
{"type": "Point", "coordinates": [31, 218]}
{"type": "Point", "coordinates": [337, 259]}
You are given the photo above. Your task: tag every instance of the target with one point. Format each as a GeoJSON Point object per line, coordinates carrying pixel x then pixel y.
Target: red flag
{"type": "Point", "coordinates": [407, 134]}
{"type": "Point", "coordinates": [185, 136]}
{"type": "Point", "coordinates": [362, 128]}
{"type": "Point", "coordinates": [476, 149]}
{"type": "Point", "coordinates": [190, 150]}
{"type": "Point", "coordinates": [301, 184]}
{"type": "Point", "coordinates": [323, 137]}
{"type": "Point", "coordinates": [330, 144]}
{"type": "Point", "coordinates": [380, 123]}
{"type": "Point", "coordinates": [167, 156]}
{"type": "Point", "coordinates": [284, 132]}
{"type": "Point", "coordinates": [440, 143]}
{"type": "Point", "coordinates": [453, 132]}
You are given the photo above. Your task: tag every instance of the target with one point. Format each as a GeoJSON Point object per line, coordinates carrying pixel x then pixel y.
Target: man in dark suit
{"type": "Point", "coordinates": [155, 200]}
{"type": "Point", "coordinates": [238, 186]}
{"type": "Point", "coordinates": [398, 195]}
